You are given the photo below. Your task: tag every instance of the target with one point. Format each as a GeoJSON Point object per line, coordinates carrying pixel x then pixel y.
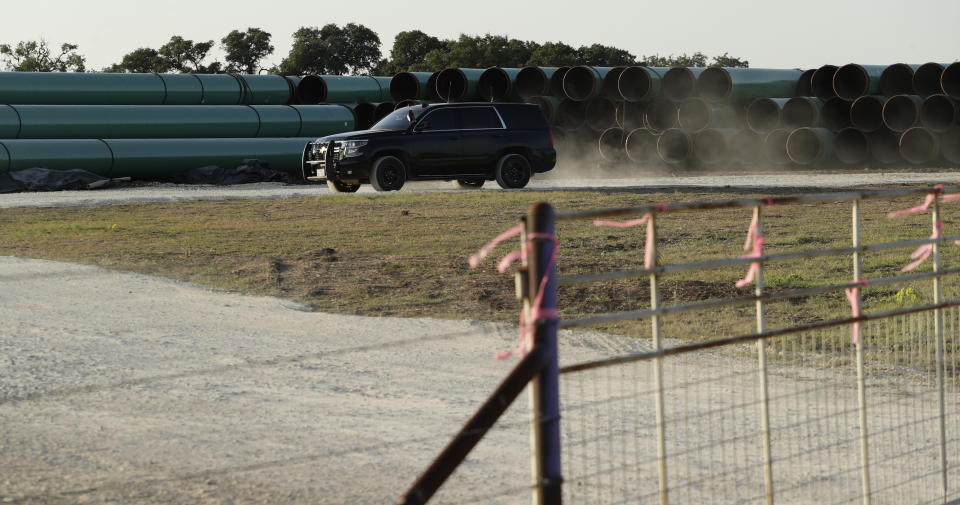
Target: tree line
{"type": "Point", "coordinates": [352, 49]}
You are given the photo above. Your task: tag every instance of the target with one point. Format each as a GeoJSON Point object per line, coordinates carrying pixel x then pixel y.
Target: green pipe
{"type": "Point", "coordinates": [80, 88]}
{"type": "Point", "coordinates": [323, 120]}
{"type": "Point", "coordinates": [534, 81]}
{"type": "Point", "coordinates": [410, 86]}
{"type": "Point", "coordinates": [362, 114]}
{"type": "Point", "coordinates": [807, 146]}
{"type": "Point", "coordinates": [153, 158]}
{"type": "Point", "coordinates": [275, 121]}
{"type": "Point", "coordinates": [712, 145]}
{"type": "Point", "coordinates": [182, 89]}
{"type": "Point", "coordinates": [801, 111]}
{"type": "Point", "coordinates": [695, 114]}
{"type": "Point", "coordinates": [171, 121]}
{"type": "Point", "coordinates": [4, 160]}
{"type": "Point", "coordinates": [853, 80]}
{"type": "Point", "coordinates": [640, 84]}
{"type": "Point", "coordinates": [384, 83]}
{"type": "Point", "coordinates": [266, 89]}
{"type": "Point", "coordinates": [313, 89]}
{"type": "Point", "coordinates": [897, 79]}
{"type": "Point", "coordinates": [764, 114]}
{"type": "Point", "coordinates": [745, 84]}
{"type": "Point", "coordinates": [496, 84]}
{"type": "Point", "coordinates": [680, 83]}
{"type": "Point", "coordinates": [547, 104]}
{"type": "Point", "coordinates": [93, 155]}
{"type": "Point", "coordinates": [458, 84]}
{"type": "Point", "coordinates": [221, 89]}
{"type": "Point", "coordinates": [584, 82]}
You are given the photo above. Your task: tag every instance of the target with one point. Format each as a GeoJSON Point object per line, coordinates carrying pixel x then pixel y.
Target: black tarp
{"type": "Point", "coordinates": [44, 179]}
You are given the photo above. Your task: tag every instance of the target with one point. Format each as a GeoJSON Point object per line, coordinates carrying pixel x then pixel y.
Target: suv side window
{"type": "Point", "coordinates": [441, 119]}
{"type": "Point", "coordinates": [480, 118]}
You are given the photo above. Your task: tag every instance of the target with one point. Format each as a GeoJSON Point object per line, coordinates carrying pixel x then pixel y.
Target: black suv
{"type": "Point", "coordinates": [468, 143]}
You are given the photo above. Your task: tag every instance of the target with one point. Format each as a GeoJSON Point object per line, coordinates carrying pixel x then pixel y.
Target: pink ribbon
{"type": "Point", "coordinates": [923, 252]}
{"type": "Point", "coordinates": [537, 312]}
{"type": "Point", "coordinates": [853, 296]}
{"type": "Point", "coordinates": [476, 258]}
{"type": "Point", "coordinates": [648, 257]}
{"type": "Point", "coordinates": [925, 205]}
{"type": "Point", "coordinates": [757, 242]}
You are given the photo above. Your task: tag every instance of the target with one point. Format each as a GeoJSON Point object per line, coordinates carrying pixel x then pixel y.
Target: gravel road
{"type": "Point", "coordinates": [173, 192]}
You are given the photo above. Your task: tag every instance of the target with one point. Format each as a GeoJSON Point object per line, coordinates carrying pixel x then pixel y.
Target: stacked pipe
{"type": "Point", "coordinates": [151, 125]}
{"type": "Point", "coordinates": [851, 115]}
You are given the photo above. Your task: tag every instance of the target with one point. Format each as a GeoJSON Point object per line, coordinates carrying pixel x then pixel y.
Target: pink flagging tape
{"type": "Point", "coordinates": [649, 258]}
{"type": "Point", "coordinates": [853, 296]}
{"type": "Point", "coordinates": [930, 198]}
{"type": "Point", "coordinates": [757, 242]}
{"type": "Point", "coordinates": [476, 258]}
{"type": "Point", "coordinates": [923, 252]}
{"type": "Point", "coordinates": [755, 266]}
{"type": "Point", "coordinates": [537, 312]}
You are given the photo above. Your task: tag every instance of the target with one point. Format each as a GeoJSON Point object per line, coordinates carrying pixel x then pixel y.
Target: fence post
{"type": "Point", "coordinates": [545, 387]}
{"type": "Point", "coordinates": [762, 364]}
{"type": "Point", "coordinates": [658, 362]}
{"type": "Point", "coordinates": [938, 326]}
{"type": "Point", "coordinates": [861, 382]}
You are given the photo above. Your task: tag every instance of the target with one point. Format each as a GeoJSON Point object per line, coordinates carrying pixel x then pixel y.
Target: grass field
{"type": "Point", "coordinates": [405, 254]}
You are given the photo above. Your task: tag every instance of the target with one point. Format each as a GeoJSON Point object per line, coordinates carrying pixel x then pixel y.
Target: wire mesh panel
{"type": "Point", "coordinates": [824, 405]}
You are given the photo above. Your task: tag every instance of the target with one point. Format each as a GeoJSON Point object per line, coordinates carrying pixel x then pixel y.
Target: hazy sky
{"type": "Point", "coordinates": [772, 33]}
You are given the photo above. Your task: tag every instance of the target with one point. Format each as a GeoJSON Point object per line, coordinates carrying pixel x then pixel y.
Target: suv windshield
{"type": "Point", "coordinates": [397, 120]}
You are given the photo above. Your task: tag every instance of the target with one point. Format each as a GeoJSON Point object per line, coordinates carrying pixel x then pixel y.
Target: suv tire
{"type": "Point", "coordinates": [513, 171]}
{"type": "Point", "coordinates": [468, 183]}
{"type": "Point", "coordinates": [342, 187]}
{"type": "Point", "coordinates": [387, 174]}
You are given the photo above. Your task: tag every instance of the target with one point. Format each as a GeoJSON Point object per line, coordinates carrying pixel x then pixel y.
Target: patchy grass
{"type": "Point", "coordinates": [405, 254]}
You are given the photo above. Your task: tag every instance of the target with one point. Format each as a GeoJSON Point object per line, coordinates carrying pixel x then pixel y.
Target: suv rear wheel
{"type": "Point", "coordinates": [513, 171]}
{"type": "Point", "coordinates": [387, 174]}
{"type": "Point", "coordinates": [468, 183]}
{"type": "Point", "coordinates": [342, 187]}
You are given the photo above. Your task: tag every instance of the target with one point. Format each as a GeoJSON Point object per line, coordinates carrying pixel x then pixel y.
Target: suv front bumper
{"type": "Point", "coordinates": [325, 161]}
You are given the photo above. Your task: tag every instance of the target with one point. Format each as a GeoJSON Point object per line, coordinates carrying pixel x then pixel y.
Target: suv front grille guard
{"type": "Point", "coordinates": [323, 157]}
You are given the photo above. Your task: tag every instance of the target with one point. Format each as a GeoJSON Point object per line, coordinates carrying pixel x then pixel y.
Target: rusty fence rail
{"type": "Point", "coordinates": [856, 409]}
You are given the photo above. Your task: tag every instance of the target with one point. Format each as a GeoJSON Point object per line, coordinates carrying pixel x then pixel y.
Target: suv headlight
{"type": "Point", "coordinates": [352, 147]}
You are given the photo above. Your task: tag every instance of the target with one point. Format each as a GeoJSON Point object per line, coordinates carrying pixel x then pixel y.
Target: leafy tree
{"type": "Point", "coordinates": [141, 60]}
{"type": "Point", "coordinates": [599, 55]}
{"type": "Point", "coordinates": [35, 56]}
{"type": "Point", "coordinates": [353, 49]}
{"type": "Point", "coordinates": [698, 59]}
{"type": "Point", "coordinates": [726, 60]}
{"type": "Point", "coordinates": [554, 54]}
{"type": "Point", "coordinates": [408, 52]}
{"type": "Point", "coordinates": [246, 49]}
{"type": "Point", "coordinates": [186, 56]}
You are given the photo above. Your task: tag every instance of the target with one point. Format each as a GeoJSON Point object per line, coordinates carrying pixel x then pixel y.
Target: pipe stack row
{"type": "Point", "coordinates": [152, 125]}
{"type": "Point", "coordinates": [854, 115]}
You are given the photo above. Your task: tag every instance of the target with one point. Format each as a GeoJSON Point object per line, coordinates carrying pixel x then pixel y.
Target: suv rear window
{"type": "Point", "coordinates": [523, 116]}
{"type": "Point", "coordinates": [479, 118]}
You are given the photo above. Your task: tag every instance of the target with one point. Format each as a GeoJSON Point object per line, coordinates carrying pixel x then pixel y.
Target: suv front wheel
{"type": "Point", "coordinates": [387, 174]}
{"type": "Point", "coordinates": [513, 171]}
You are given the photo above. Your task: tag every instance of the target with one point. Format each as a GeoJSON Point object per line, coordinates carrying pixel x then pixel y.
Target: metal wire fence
{"type": "Point", "coordinates": [807, 412]}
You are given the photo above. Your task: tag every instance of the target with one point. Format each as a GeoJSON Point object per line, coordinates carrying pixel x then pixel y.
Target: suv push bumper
{"type": "Point", "coordinates": [325, 161]}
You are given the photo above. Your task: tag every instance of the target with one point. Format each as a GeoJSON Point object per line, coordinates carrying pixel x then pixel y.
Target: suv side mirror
{"type": "Point", "coordinates": [410, 116]}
